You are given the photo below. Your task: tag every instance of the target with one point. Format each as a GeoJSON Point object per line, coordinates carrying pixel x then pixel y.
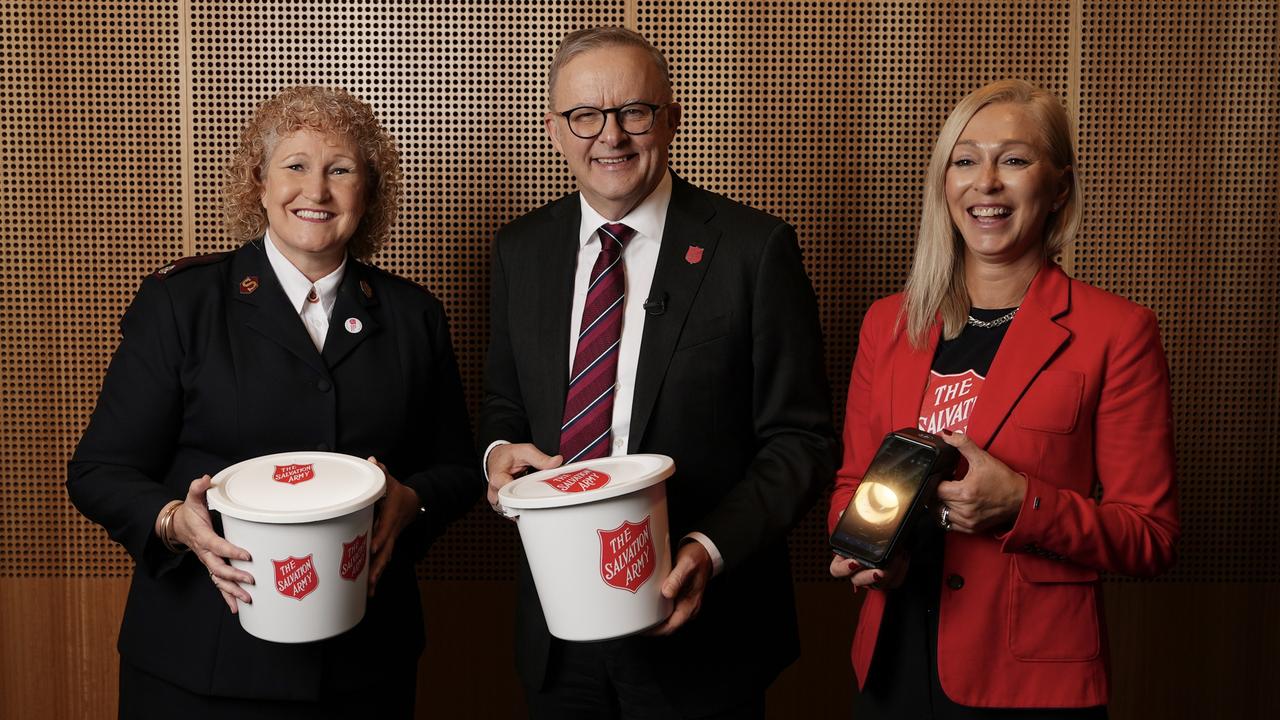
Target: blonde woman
{"type": "Point", "coordinates": [1050, 389]}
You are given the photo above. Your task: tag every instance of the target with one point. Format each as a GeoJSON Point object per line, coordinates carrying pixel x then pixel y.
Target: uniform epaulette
{"type": "Point", "coordinates": [178, 266]}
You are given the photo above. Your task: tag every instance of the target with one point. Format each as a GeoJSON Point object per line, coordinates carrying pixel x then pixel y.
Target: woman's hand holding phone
{"type": "Point", "coordinates": [886, 578]}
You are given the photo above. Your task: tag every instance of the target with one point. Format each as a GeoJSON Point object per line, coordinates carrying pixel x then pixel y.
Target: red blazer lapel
{"type": "Point", "coordinates": [910, 371]}
{"type": "Point", "coordinates": [1034, 337]}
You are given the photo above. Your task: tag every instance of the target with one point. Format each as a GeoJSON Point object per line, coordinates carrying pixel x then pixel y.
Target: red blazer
{"type": "Point", "coordinates": [1077, 398]}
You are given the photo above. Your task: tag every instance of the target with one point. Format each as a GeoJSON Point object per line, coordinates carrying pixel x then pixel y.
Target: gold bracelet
{"type": "Point", "coordinates": [166, 528]}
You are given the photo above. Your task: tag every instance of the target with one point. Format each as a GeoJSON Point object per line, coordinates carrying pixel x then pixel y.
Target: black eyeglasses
{"type": "Point", "coordinates": [634, 118]}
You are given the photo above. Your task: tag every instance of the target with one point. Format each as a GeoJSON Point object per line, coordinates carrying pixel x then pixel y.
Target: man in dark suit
{"type": "Point", "coordinates": [700, 313]}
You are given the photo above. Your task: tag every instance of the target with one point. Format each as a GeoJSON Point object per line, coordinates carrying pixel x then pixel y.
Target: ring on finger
{"type": "Point", "coordinates": [944, 519]}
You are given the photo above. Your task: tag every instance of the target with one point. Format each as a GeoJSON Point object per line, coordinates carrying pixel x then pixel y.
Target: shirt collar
{"type": "Point", "coordinates": [296, 285]}
{"type": "Point", "coordinates": [647, 219]}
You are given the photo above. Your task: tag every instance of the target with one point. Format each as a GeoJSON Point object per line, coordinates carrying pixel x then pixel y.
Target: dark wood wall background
{"type": "Point", "coordinates": [117, 117]}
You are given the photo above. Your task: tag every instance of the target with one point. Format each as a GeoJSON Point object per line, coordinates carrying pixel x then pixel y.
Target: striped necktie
{"type": "Point", "coordinates": [588, 407]}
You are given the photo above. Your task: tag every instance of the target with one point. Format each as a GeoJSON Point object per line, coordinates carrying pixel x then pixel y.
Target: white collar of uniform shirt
{"type": "Point", "coordinates": [296, 287]}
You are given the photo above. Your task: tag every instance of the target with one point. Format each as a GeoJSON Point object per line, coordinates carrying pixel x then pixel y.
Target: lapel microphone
{"type": "Point", "coordinates": [656, 305]}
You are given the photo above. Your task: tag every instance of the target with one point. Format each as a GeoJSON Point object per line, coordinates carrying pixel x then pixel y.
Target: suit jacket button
{"type": "Point", "coordinates": [323, 385]}
{"type": "Point", "coordinates": [323, 447]}
{"type": "Point", "coordinates": [955, 582]}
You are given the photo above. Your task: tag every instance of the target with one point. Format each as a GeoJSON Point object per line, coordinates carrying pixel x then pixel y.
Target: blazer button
{"type": "Point", "coordinates": [323, 385]}
{"type": "Point", "coordinates": [955, 582]}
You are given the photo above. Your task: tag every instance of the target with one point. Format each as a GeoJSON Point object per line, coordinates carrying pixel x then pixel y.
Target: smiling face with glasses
{"type": "Point", "coordinates": [613, 121]}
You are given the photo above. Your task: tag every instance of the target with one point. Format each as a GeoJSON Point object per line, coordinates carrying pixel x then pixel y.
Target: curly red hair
{"type": "Point", "coordinates": [331, 111]}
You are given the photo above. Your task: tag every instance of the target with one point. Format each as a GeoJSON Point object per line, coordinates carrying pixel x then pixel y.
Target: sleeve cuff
{"type": "Point", "coordinates": [1034, 517]}
{"type": "Point", "coordinates": [717, 562]}
{"type": "Point", "coordinates": [484, 462]}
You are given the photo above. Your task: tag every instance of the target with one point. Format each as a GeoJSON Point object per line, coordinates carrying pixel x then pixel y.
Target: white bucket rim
{"type": "Point", "coordinates": [633, 473]}
{"type": "Point", "coordinates": [376, 483]}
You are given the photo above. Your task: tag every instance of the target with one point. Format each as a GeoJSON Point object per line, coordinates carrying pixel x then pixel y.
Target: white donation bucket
{"type": "Point", "coordinates": [306, 520]}
{"type": "Point", "coordinates": [595, 534]}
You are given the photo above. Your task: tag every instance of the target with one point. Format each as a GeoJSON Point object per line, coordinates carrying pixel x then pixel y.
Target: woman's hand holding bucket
{"type": "Point", "coordinates": [395, 511]}
{"type": "Point", "coordinates": [193, 527]}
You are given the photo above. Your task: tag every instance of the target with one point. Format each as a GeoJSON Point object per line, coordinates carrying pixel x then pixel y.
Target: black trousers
{"type": "Point", "coordinates": [615, 680]}
{"type": "Point", "coordinates": [144, 696]}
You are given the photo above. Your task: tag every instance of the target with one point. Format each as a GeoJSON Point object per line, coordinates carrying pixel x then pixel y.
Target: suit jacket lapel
{"type": "Point", "coordinates": [687, 226]}
{"type": "Point", "coordinates": [554, 266]}
{"type": "Point", "coordinates": [355, 301]}
{"type": "Point", "coordinates": [910, 376]}
{"type": "Point", "coordinates": [265, 307]}
{"type": "Point", "coordinates": [1031, 342]}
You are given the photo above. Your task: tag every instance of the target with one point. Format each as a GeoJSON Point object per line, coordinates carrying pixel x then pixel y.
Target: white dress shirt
{"type": "Point", "coordinates": [640, 260]}
{"type": "Point", "coordinates": [297, 288]}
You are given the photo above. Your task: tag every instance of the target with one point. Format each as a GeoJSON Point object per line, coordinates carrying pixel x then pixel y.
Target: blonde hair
{"type": "Point", "coordinates": [592, 38]}
{"type": "Point", "coordinates": [936, 284]}
{"type": "Point", "coordinates": [330, 111]}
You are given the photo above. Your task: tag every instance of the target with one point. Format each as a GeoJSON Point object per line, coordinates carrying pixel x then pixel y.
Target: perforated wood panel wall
{"type": "Point", "coordinates": [1179, 143]}
{"type": "Point", "coordinates": [830, 125]}
{"type": "Point", "coordinates": [91, 161]}
{"type": "Point", "coordinates": [118, 118]}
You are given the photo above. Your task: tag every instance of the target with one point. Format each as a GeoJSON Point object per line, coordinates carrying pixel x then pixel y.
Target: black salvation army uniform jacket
{"type": "Point", "coordinates": [215, 367]}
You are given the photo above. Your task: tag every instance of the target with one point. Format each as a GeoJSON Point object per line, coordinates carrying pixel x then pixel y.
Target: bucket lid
{"type": "Point", "coordinates": [296, 487]}
{"type": "Point", "coordinates": [586, 481]}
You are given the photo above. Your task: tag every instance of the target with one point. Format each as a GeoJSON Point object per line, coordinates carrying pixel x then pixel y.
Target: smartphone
{"type": "Point", "coordinates": [893, 496]}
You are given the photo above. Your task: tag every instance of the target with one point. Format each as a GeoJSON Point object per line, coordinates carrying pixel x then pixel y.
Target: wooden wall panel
{"type": "Point", "coordinates": [118, 116]}
{"type": "Point", "coordinates": [830, 125]}
{"type": "Point", "coordinates": [90, 156]}
{"type": "Point", "coordinates": [1179, 143]}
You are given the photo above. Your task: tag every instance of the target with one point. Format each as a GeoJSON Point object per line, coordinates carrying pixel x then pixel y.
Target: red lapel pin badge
{"type": "Point", "coordinates": [693, 255]}
{"type": "Point", "coordinates": [248, 285]}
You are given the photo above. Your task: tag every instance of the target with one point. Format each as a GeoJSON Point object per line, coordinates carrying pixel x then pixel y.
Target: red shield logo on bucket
{"type": "Point", "coordinates": [626, 555]}
{"type": "Point", "coordinates": [295, 577]}
{"type": "Point", "coordinates": [579, 481]}
{"type": "Point", "coordinates": [294, 474]}
{"type": "Point", "coordinates": [354, 554]}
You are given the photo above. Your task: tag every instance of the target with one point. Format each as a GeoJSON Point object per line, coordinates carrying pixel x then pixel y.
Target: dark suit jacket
{"type": "Point", "coordinates": [1077, 397]}
{"type": "Point", "coordinates": [208, 374]}
{"type": "Point", "coordinates": [730, 384]}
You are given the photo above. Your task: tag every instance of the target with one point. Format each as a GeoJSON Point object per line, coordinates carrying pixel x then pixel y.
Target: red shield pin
{"type": "Point", "coordinates": [293, 474]}
{"type": "Point", "coordinates": [296, 576]}
{"type": "Point", "coordinates": [693, 255]}
{"type": "Point", "coordinates": [627, 555]}
{"type": "Point", "coordinates": [580, 481]}
{"type": "Point", "coordinates": [248, 285]}
{"type": "Point", "coordinates": [354, 555]}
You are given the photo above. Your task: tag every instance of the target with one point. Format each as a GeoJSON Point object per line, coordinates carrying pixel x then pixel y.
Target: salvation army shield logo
{"type": "Point", "coordinates": [354, 555]}
{"type": "Point", "coordinates": [578, 481]}
{"type": "Point", "coordinates": [294, 474]}
{"type": "Point", "coordinates": [296, 577]}
{"type": "Point", "coordinates": [627, 555]}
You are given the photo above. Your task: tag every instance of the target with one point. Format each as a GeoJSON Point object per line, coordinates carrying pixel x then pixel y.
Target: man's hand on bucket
{"type": "Point", "coordinates": [685, 585]}
{"type": "Point", "coordinates": [508, 461]}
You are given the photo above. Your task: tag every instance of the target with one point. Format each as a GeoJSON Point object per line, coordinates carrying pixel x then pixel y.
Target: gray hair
{"type": "Point", "coordinates": [587, 39]}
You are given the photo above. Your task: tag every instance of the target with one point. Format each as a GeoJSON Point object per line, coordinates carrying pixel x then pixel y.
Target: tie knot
{"type": "Point", "coordinates": [614, 237]}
